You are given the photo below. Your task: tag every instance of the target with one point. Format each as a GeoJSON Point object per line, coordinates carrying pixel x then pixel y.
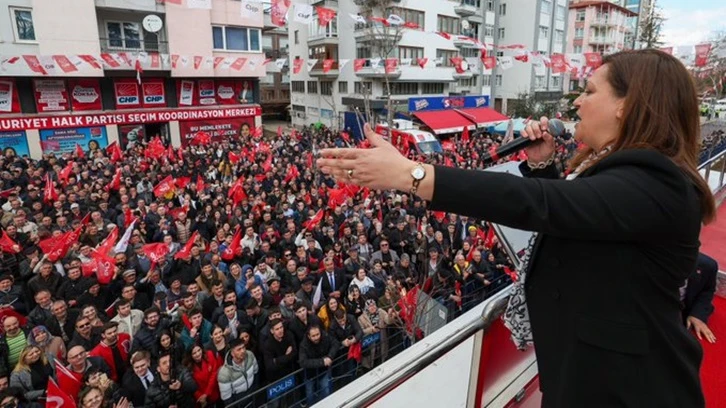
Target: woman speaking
{"type": "Point", "coordinates": [612, 245]}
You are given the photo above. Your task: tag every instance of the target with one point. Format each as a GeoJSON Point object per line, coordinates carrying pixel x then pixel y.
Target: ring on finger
{"type": "Point", "coordinates": [350, 173]}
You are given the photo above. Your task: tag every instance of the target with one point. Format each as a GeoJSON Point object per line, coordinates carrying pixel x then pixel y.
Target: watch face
{"type": "Point", "coordinates": [418, 173]}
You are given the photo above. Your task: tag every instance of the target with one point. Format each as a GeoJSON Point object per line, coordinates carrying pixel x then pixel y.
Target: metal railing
{"type": "Point", "coordinates": [713, 170]}
{"type": "Point", "coordinates": [133, 45]}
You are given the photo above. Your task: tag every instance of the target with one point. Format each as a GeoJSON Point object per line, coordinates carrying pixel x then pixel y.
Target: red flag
{"type": "Point", "coordinates": [115, 182]}
{"type": "Point", "coordinates": [164, 187]}
{"type": "Point", "coordinates": [267, 165]}
{"type": "Point", "coordinates": [49, 193]}
{"type": "Point", "coordinates": [233, 158]}
{"type": "Point", "coordinates": [489, 238]}
{"type": "Point", "coordinates": [234, 248]}
{"type": "Point", "coordinates": [67, 381]}
{"type": "Point", "coordinates": [411, 24]}
{"type": "Point", "coordinates": [292, 173]}
{"type": "Point", "coordinates": [64, 63]}
{"type": "Point", "coordinates": [345, 137]}
{"type": "Point", "coordinates": [187, 250]}
{"type": "Point", "coordinates": [201, 138]}
{"type": "Point", "coordinates": [155, 149]}
{"type": "Point", "coordinates": [448, 145]}
{"type": "Point", "coordinates": [90, 60]}
{"type": "Point", "coordinates": [465, 135]}
{"type": "Point", "coordinates": [422, 62]}
{"type": "Point", "coordinates": [593, 59]}
{"type": "Point", "coordinates": [34, 64]}
{"type": "Point", "coordinates": [61, 248]}
{"type": "Point", "coordinates": [445, 35]}
{"type": "Point", "coordinates": [56, 397]}
{"type": "Point", "coordinates": [128, 217]}
{"type": "Point", "coordinates": [391, 64]}
{"type": "Point", "coordinates": [327, 65]}
{"type": "Point", "coordinates": [115, 153]}
{"type": "Point", "coordinates": [200, 184]}
{"type": "Point", "coordinates": [7, 244]}
{"type": "Point", "coordinates": [170, 153]}
{"type": "Point", "coordinates": [180, 153]}
{"type": "Point", "coordinates": [156, 251]}
{"type": "Point", "coordinates": [48, 244]}
{"type": "Point", "coordinates": [107, 244]}
{"type": "Point", "coordinates": [175, 212]}
{"type": "Point", "coordinates": [183, 181]}
{"type": "Point", "coordinates": [702, 53]}
{"type": "Point", "coordinates": [65, 173]}
{"type": "Point", "coordinates": [297, 64]}
{"type": "Point", "coordinates": [105, 268]}
{"type": "Point", "coordinates": [309, 160]}
{"type": "Point", "coordinates": [237, 192]}
{"type": "Point", "coordinates": [558, 64]}
{"type": "Point", "coordinates": [512, 275]}
{"type": "Point", "coordinates": [439, 216]}
{"type": "Point", "coordinates": [314, 221]}
{"type": "Point", "coordinates": [380, 20]}
{"type": "Point", "coordinates": [489, 62]}
{"type": "Point", "coordinates": [279, 131]}
{"type": "Point", "coordinates": [336, 197]}
{"type": "Point", "coordinates": [325, 15]}
{"type": "Point", "coordinates": [358, 64]}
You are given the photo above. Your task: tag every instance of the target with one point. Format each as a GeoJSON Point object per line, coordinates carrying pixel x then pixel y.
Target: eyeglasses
{"type": "Point", "coordinates": [83, 326]}
{"type": "Point", "coordinates": [75, 356]}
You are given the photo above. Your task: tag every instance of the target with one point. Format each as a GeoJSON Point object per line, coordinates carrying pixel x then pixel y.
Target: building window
{"type": "Point", "coordinates": [467, 82]}
{"type": "Point", "coordinates": [503, 9]}
{"type": "Point", "coordinates": [445, 56]}
{"type": "Point", "coordinates": [500, 54]}
{"type": "Point", "coordinates": [579, 32]}
{"type": "Point", "coordinates": [23, 27]}
{"type": "Point", "coordinates": [546, 7]}
{"type": "Point", "coordinates": [410, 16]}
{"type": "Point", "coordinates": [544, 32]}
{"type": "Point", "coordinates": [297, 36]}
{"type": "Point", "coordinates": [298, 86]}
{"type": "Point", "coordinates": [363, 52]}
{"type": "Point", "coordinates": [236, 38]}
{"type": "Point", "coordinates": [403, 88]}
{"type": "Point", "coordinates": [559, 36]}
{"type": "Point", "coordinates": [126, 35]}
{"type": "Point", "coordinates": [560, 14]}
{"type": "Point", "coordinates": [498, 80]}
{"type": "Point", "coordinates": [330, 30]}
{"type": "Point", "coordinates": [268, 79]}
{"type": "Point", "coordinates": [326, 88]}
{"type": "Point", "coordinates": [539, 82]}
{"type": "Point", "coordinates": [490, 5]}
{"type": "Point", "coordinates": [312, 87]}
{"type": "Point", "coordinates": [486, 80]}
{"type": "Point", "coordinates": [362, 87]}
{"type": "Point", "coordinates": [555, 82]}
{"type": "Point", "coordinates": [577, 49]}
{"type": "Point", "coordinates": [500, 33]}
{"type": "Point", "coordinates": [580, 16]}
{"type": "Point", "coordinates": [313, 111]}
{"type": "Point", "coordinates": [410, 52]}
{"type": "Point", "coordinates": [574, 84]}
{"type": "Point", "coordinates": [343, 87]}
{"type": "Point", "coordinates": [432, 88]}
{"type": "Point", "coordinates": [446, 24]}
{"type": "Point", "coordinates": [470, 52]}
{"type": "Point", "coordinates": [488, 31]}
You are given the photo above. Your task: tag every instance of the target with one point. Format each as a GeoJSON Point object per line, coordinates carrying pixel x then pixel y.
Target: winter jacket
{"type": "Point", "coordinates": [160, 396]}
{"type": "Point", "coordinates": [311, 355]}
{"type": "Point", "coordinates": [277, 363]}
{"type": "Point", "coordinates": [205, 375]}
{"type": "Point", "coordinates": [236, 380]}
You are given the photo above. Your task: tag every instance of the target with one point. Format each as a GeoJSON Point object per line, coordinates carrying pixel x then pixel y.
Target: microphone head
{"type": "Point", "coordinates": [556, 127]}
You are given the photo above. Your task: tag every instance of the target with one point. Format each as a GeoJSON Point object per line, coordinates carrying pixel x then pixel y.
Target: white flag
{"type": "Point", "coordinates": [280, 63]}
{"type": "Point", "coordinates": [539, 66]}
{"type": "Point", "coordinates": [227, 62]}
{"type": "Point", "coordinates": [474, 64]}
{"type": "Point", "coordinates": [48, 63]}
{"type": "Point", "coordinates": [250, 10]}
{"type": "Point", "coordinates": [208, 62]}
{"type": "Point", "coordinates": [311, 63]}
{"type": "Point", "coordinates": [123, 243]}
{"type": "Point", "coordinates": [318, 295]}
{"type": "Point", "coordinates": [406, 61]}
{"type": "Point", "coordinates": [395, 20]}
{"type": "Point", "coordinates": [575, 60]}
{"type": "Point", "coordinates": [76, 60]}
{"type": "Point", "coordinates": [505, 62]}
{"type": "Point", "coordinates": [358, 18]}
{"type": "Point", "coordinates": [303, 13]}
{"type": "Point", "coordinates": [376, 62]}
{"type": "Point", "coordinates": [199, 4]}
{"type": "Point", "coordinates": [165, 60]}
{"type": "Point", "coordinates": [342, 63]}
{"type": "Point", "coordinates": [184, 60]}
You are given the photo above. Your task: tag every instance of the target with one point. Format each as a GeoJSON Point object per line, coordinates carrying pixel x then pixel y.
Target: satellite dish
{"type": "Point", "coordinates": [464, 65]}
{"type": "Point", "coordinates": [464, 24]}
{"type": "Point", "coordinates": [152, 23]}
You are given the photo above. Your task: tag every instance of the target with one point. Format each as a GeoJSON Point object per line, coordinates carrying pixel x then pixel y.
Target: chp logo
{"type": "Point", "coordinates": [84, 94]}
{"type": "Point", "coordinates": [127, 94]}
{"type": "Point", "coordinates": [206, 93]}
{"type": "Point", "coordinates": [251, 8]}
{"type": "Point", "coordinates": [153, 93]}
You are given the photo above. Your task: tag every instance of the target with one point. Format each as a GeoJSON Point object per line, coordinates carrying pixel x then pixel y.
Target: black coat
{"type": "Point", "coordinates": [160, 396]}
{"type": "Point", "coordinates": [277, 363]}
{"type": "Point", "coordinates": [614, 246]}
{"type": "Point", "coordinates": [701, 288]}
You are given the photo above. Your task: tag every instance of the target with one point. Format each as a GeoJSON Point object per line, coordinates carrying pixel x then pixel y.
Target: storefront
{"type": "Point", "coordinates": [451, 114]}
{"type": "Point", "coordinates": [41, 134]}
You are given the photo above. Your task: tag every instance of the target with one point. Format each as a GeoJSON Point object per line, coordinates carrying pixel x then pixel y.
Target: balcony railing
{"type": "Point", "coordinates": [133, 45]}
{"type": "Point", "coordinates": [601, 40]}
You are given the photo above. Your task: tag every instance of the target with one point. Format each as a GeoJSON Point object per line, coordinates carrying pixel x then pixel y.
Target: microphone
{"type": "Point", "coordinates": [555, 127]}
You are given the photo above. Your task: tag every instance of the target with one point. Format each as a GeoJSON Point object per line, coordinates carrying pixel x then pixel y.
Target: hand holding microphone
{"type": "Point", "coordinates": [542, 138]}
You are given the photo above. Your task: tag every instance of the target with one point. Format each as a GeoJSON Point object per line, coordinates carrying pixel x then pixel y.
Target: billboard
{"type": "Point", "coordinates": [60, 141]}
{"type": "Point", "coordinates": [447, 102]}
{"type": "Point", "coordinates": [15, 142]}
{"type": "Point", "coordinates": [219, 129]}
{"type": "Point", "coordinates": [126, 94]}
{"type": "Point", "coordinates": [51, 95]}
{"type": "Point", "coordinates": [85, 94]}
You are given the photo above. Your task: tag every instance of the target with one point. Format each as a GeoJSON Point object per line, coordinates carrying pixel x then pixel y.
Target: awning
{"type": "Point", "coordinates": [444, 121]}
{"type": "Point", "coordinates": [482, 116]}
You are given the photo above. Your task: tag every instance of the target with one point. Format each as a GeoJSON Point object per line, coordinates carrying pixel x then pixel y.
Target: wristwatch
{"type": "Point", "coordinates": [417, 174]}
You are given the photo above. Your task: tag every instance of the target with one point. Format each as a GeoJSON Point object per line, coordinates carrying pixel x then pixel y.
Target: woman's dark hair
{"type": "Point", "coordinates": [660, 112]}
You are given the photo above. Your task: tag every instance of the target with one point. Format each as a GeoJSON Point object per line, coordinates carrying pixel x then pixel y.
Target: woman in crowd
{"type": "Point", "coordinates": [53, 346]}
{"type": "Point", "coordinates": [204, 366]}
{"type": "Point", "coordinates": [32, 372]}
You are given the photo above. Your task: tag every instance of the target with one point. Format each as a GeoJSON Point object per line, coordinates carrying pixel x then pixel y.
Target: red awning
{"type": "Point", "coordinates": [482, 116]}
{"type": "Point", "coordinates": [445, 121]}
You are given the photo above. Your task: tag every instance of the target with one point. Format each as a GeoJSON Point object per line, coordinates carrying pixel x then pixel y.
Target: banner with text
{"type": "Point", "coordinates": [85, 94]}
{"type": "Point", "coordinates": [9, 100]}
{"type": "Point", "coordinates": [51, 95]}
{"type": "Point", "coordinates": [223, 129]}
{"type": "Point", "coordinates": [15, 143]}
{"type": "Point", "coordinates": [61, 141]}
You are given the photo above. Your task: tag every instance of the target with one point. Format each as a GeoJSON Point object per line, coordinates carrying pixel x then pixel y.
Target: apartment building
{"type": "Point", "coordinates": [275, 85]}
{"type": "Point", "coordinates": [92, 72]}
{"type": "Point", "coordinates": [331, 95]}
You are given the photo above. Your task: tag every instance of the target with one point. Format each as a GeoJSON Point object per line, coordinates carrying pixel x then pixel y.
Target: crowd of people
{"type": "Point", "coordinates": [157, 277]}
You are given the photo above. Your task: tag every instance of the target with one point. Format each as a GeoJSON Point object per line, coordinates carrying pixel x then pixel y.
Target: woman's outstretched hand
{"type": "Point", "coordinates": [380, 167]}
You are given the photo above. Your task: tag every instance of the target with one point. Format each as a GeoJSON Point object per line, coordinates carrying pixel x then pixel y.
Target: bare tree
{"type": "Point", "coordinates": [711, 78]}
{"type": "Point", "coordinates": [384, 38]}
{"type": "Point", "coordinates": [651, 25]}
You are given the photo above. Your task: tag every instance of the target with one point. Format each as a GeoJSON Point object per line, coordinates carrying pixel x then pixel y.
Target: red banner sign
{"type": "Point", "coordinates": [153, 93]}
{"type": "Point", "coordinates": [85, 94]}
{"type": "Point", "coordinates": [9, 100]}
{"type": "Point", "coordinates": [126, 92]}
{"type": "Point", "coordinates": [51, 95]}
{"type": "Point", "coordinates": [218, 129]}
{"type": "Point", "coordinates": [122, 118]}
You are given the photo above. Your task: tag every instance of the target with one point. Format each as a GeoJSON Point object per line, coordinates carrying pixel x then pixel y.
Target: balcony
{"type": "Point", "coordinates": [463, 41]}
{"type": "Point", "coordinates": [462, 75]}
{"type": "Point", "coordinates": [328, 38]}
{"type": "Point", "coordinates": [331, 4]}
{"type": "Point", "coordinates": [466, 8]}
{"type": "Point", "coordinates": [602, 22]}
{"type": "Point", "coordinates": [132, 46]}
{"type": "Point", "coordinates": [601, 41]}
{"type": "Point", "coordinates": [378, 71]}
{"type": "Point", "coordinates": [317, 70]}
{"type": "Point", "coordinates": [376, 32]}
